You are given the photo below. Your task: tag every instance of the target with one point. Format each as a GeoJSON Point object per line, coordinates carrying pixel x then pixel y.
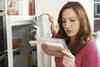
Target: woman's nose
{"type": "Point", "coordinates": [67, 24]}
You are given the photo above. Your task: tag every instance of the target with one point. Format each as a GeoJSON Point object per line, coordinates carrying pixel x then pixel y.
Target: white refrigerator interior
{"type": "Point", "coordinates": [20, 25]}
{"type": "Point", "coordinates": [17, 28]}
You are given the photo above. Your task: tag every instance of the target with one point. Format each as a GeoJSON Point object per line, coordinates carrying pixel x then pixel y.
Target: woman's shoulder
{"type": "Point", "coordinates": [90, 41]}
{"type": "Point", "coordinates": [90, 46]}
{"type": "Point", "coordinates": [89, 53]}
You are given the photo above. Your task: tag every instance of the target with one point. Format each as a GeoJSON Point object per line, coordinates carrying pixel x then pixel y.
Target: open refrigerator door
{"type": "Point", "coordinates": [42, 24]}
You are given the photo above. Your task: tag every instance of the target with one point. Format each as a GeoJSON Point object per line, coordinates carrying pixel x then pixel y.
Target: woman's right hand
{"type": "Point", "coordinates": [68, 58]}
{"type": "Point", "coordinates": [54, 24]}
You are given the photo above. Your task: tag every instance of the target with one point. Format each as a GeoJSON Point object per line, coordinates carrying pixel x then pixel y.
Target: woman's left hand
{"type": "Point", "coordinates": [68, 58]}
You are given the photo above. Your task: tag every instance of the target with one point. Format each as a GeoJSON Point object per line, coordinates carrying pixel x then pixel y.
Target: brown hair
{"type": "Point", "coordinates": [84, 31]}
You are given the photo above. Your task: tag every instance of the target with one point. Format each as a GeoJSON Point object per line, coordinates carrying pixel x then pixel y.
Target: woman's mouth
{"type": "Point", "coordinates": [68, 31]}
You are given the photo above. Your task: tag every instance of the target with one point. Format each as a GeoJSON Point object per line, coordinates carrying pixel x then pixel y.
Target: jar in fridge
{"type": "Point", "coordinates": [13, 7]}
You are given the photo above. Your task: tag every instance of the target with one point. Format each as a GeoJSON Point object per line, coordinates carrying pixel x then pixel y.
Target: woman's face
{"type": "Point", "coordinates": [70, 22]}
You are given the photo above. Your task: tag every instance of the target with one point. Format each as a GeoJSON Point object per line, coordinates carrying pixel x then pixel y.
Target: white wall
{"type": "Point", "coordinates": [50, 6]}
{"type": "Point", "coordinates": [25, 7]}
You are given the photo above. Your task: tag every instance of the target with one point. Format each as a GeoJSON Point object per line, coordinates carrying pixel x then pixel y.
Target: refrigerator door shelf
{"type": "Point", "coordinates": [20, 20]}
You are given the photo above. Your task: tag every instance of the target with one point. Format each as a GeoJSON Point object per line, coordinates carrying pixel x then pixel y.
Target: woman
{"type": "Point", "coordinates": [73, 26]}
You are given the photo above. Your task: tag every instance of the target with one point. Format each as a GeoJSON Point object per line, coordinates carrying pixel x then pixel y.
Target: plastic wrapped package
{"type": "Point", "coordinates": [52, 46]}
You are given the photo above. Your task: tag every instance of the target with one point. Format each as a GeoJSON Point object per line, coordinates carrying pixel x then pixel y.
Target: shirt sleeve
{"type": "Point", "coordinates": [90, 57]}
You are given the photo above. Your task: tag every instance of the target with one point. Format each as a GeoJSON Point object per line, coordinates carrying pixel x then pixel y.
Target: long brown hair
{"type": "Point", "coordinates": [84, 31]}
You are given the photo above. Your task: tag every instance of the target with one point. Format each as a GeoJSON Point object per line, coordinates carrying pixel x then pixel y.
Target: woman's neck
{"type": "Point", "coordinates": [72, 39]}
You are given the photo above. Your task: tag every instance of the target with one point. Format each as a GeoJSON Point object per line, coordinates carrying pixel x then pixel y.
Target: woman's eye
{"type": "Point", "coordinates": [72, 20]}
{"type": "Point", "coordinates": [63, 21]}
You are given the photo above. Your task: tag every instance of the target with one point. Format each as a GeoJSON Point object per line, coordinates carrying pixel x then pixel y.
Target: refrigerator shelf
{"type": "Point", "coordinates": [20, 20]}
{"type": "Point", "coordinates": [17, 49]}
{"type": "Point", "coordinates": [20, 23]}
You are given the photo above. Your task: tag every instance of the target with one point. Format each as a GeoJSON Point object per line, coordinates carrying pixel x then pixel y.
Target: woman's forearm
{"type": "Point", "coordinates": [54, 27]}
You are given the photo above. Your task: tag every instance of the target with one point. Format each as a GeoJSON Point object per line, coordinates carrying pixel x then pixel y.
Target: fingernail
{"type": "Point", "coordinates": [62, 51]}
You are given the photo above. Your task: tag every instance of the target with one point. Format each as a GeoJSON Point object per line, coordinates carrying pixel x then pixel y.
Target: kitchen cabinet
{"type": "Point", "coordinates": [96, 15]}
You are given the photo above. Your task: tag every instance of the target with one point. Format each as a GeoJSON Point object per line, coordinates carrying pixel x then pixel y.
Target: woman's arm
{"type": "Point", "coordinates": [54, 24]}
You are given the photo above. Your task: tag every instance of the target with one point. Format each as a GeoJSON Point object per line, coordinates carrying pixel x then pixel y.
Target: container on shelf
{"type": "Point", "coordinates": [16, 42]}
{"type": "Point", "coordinates": [14, 7]}
{"type": "Point", "coordinates": [31, 7]}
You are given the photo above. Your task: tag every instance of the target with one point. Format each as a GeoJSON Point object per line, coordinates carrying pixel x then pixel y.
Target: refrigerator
{"type": "Point", "coordinates": [29, 52]}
